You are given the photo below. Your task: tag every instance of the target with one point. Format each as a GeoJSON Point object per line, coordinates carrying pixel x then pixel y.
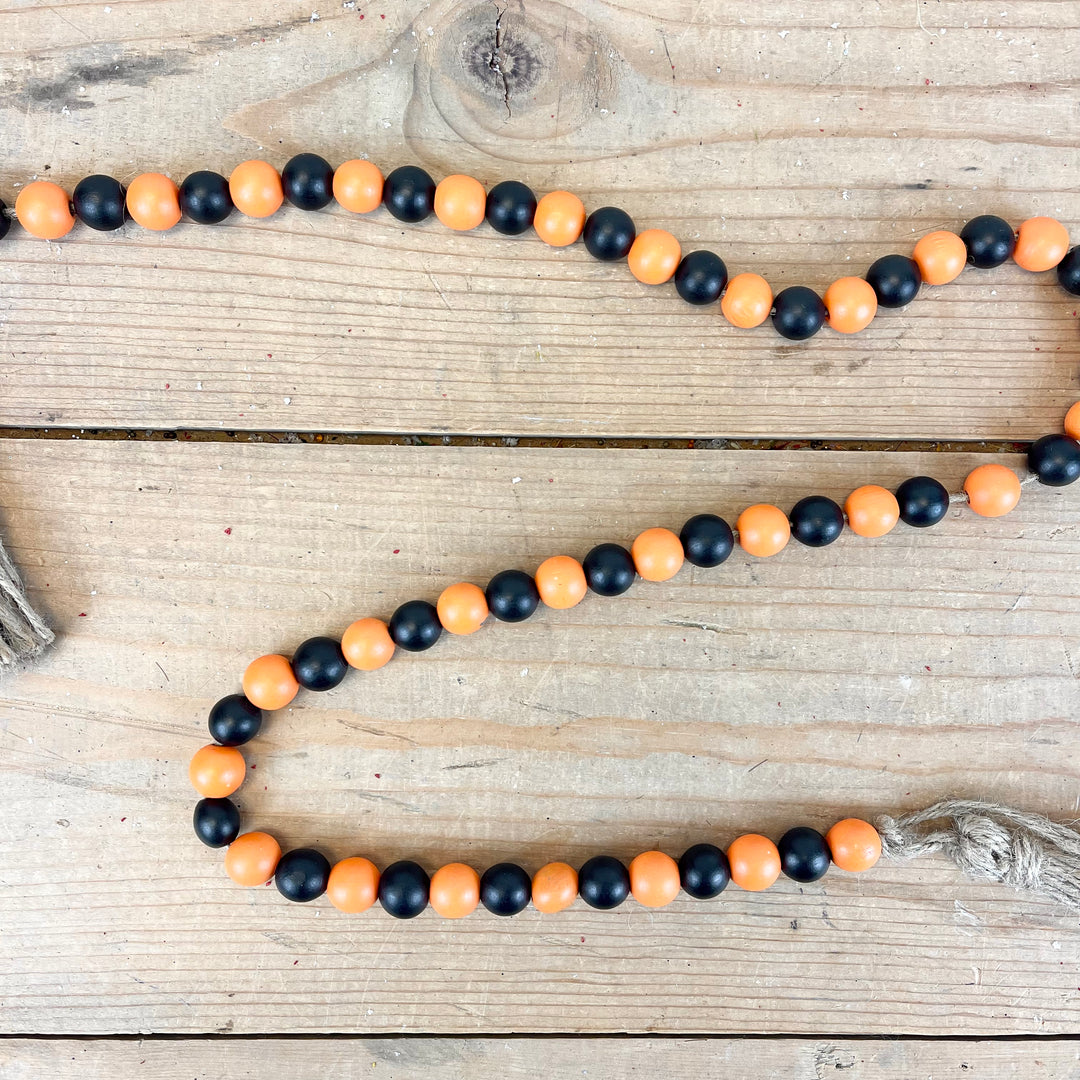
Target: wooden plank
{"type": "Point", "coordinates": [599, 1058]}
{"type": "Point", "coordinates": [867, 676]}
{"type": "Point", "coordinates": [799, 146]}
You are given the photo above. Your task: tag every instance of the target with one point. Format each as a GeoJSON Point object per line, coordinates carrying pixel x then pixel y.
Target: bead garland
{"type": "Point", "coordinates": [654, 256]}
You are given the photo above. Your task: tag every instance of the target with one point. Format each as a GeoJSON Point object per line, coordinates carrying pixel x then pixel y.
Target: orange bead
{"type": "Point", "coordinates": [559, 218]}
{"type": "Point", "coordinates": [561, 581]}
{"type": "Point", "coordinates": [992, 490]}
{"type": "Point", "coordinates": [251, 859]}
{"type": "Point", "coordinates": [941, 256]}
{"type": "Point", "coordinates": [871, 510]}
{"type": "Point", "coordinates": [747, 301]}
{"type": "Point", "coordinates": [353, 885]}
{"type": "Point", "coordinates": [1072, 421]}
{"type": "Point", "coordinates": [554, 887]}
{"type": "Point", "coordinates": [460, 202]}
{"type": "Point", "coordinates": [763, 529]}
{"type": "Point", "coordinates": [1041, 243]}
{"type": "Point", "coordinates": [658, 554]}
{"type": "Point", "coordinates": [851, 303]}
{"type": "Point", "coordinates": [269, 682]}
{"type": "Point", "coordinates": [44, 210]}
{"type": "Point", "coordinates": [358, 186]}
{"type": "Point", "coordinates": [153, 201]}
{"type": "Point", "coordinates": [854, 844]}
{"type": "Point", "coordinates": [217, 771]}
{"type": "Point", "coordinates": [367, 644]}
{"type": "Point", "coordinates": [462, 608]}
{"type": "Point", "coordinates": [654, 256]}
{"type": "Point", "coordinates": [755, 862]}
{"type": "Point", "coordinates": [654, 878]}
{"type": "Point", "coordinates": [455, 890]}
{"type": "Point", "coordinates": [255, 187]}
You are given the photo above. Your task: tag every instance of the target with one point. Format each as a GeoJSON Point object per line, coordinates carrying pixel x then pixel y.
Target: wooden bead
{"type": "Point", "coordinates": [763, 530]}
{"type": "Point", "coordinates": [1041, 243]}
{"type": "Point", "coordinates": [216, 771]}
{"type": "Point", "coordinates": [367, 644]}
{"type": "Point", "coordinates": [460, 202]}
{"type": "Point", "coordinates": [657, 554]}
{"type": "Point", "coordinates": [455, 890]}
{"type": "Point", "coordinates": [269, 682]}
{"type": "Point", "coordinates": [871, 510]}
{"type": "Point", "coordinates": [854, 844]}
{"type": "Point", "coordinates": [1072, 422]}
{"type": "Point", "coordinates": [554, 887]}
{"type": "Point", "coordinates": [940, 256]}
{"type": "Point", "coordinates": [44, 210]}
{"type": "Point", "coordinates": [755, 862]}
{"type": "Point", "coordinates": [353, 885]}
{"type": "Point", "coordinates": [992, 490]}
{"type": "Point", "coordinates": [358, 186]}
{"type": "Point", "coordinates": [153, 201]}
{"type": "Point", "coordinates": [654, 879]}
{"type": "Point", "coordinates": [559, 218]}
{"type": "Point", "coordinates": [561, 581]}
{"type": "Point", "coordinates": [654, 256]}
{"type": "Point", "coordinates": [747, 301]}
{"type": "Point", "coordinates": [252, 858]}
{"type": "Point", "coordinates": [462, 608]}
{"type": "Point", "coordinates": [256, 190]}
{"type": "Point", "coordinates": [851, 303]}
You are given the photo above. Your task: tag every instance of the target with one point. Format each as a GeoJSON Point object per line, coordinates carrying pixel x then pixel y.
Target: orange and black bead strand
{"type": "Point", "coordinates": [654, 256]}
{"type": "Point", "coordinates": [753, 862]}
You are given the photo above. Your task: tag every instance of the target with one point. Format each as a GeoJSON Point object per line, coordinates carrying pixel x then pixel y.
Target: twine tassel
{"type": "Point", "coordinates": [992, 842]}
{"type": "Point", "coordinates": [23, 633]}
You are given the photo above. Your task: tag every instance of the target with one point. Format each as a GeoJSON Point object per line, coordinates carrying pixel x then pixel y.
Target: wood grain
{"type": "Point", "coordinates": [868, 676]}
{"type": "Point", "coordinates": [520, 1059]}
{"type": "Point", "coordinates": [798, 142]}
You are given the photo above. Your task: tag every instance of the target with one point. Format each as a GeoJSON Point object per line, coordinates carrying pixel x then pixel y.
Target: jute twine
{"type": "Point", "coordinates": [993, 842]}
{"type": "Point", "coordinates": [23, 633]}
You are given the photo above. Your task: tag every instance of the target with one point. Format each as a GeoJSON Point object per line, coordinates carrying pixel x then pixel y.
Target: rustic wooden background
{"type": "Point", "coordinates": [168, 487]}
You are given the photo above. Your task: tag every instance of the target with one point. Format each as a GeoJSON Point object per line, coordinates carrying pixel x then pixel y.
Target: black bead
{"type": "Point", "coordinates": [704, 871]}
{"type": "Point", "coordinates": [5, 221]}
{"type": "Point", "coordinates": [409, 193]}
{"type": "Point", "coordinates": [816, 521]}
{"type": "Point", "coordinates": [895, 280]}
{"type": "Point", "coordinates": [403, 889]}
{"type": "Point", "coordinates": [609, 233]}
{"type": "Point", "coordinates": [234, 721]}
{"type": "Point", "coordinates": [804, 855]}
{"type": "Point", "coordinates": [989, 241]}
{"type": "Point", "coordinates": [216, 821]}
{"type": "Point", "coordinates": [603, 882]}
{"type": "Point", "coordinates": [205, 198]}
{"type": "Point", "coordinates": [505, 889]}
{"type": "Point", "coordinates": [415, 625]}
{"type": "Point", "coordinates": [98, 201]}
{"type": "Point", "coordinates": [798, 313]}
{"type": "Point", "coordinates": [302, 874]}
{"type": "Point", "coordinates": [511, 207]}
{"type": "Point", "coordinates": [1068, 271]}
{"type": "Point", "coordinates": [512, 595]}
{"type": "Point", "coordinates": [319, 664]}
{"type": "Point", "coordinates": [923, 501]}
{"type": "Point", "coordinates": [1055, 460]}
{"type": "Point", "coordinates": [701, 277]}
{"type": "Point", "coordinates": [308, 181]}
{"type": "Point", "coordinates": [609, 569]}
{"type": "Point", "coordinates": [707, 540]}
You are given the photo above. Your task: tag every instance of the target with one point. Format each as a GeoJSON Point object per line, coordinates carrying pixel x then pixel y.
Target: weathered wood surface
{"type": "Point", "coordinates": [868, 676]}
{"type": "Point", "coordinates": [799, 141]}
{"type": "Point", "coordinates": [524, 1059]}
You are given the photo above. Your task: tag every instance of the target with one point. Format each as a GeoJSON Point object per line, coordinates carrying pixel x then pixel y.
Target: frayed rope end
{"type": "Point", "coordinates": [23, 633]}
{"type": "Point", "coordinates": [991, 842]}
